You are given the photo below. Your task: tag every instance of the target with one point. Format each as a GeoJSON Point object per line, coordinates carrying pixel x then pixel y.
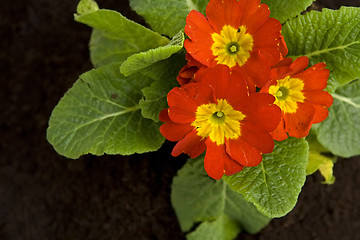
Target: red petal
{"type": "Point", "coordinates": [283, 47]}
{"type": "Point", "coordinates": [299, 123]}
{"type": "Point", "coordinates": [175, 132]}
{"type": "Point", "coordinates": [217, 161]}
{"type": "Point", "coordinates": [221, 13]}
{"type": "Point", "coordinates": [231, 87]}
{"type": "Point", "coordinates": [261, 112]}
{"type": "Point", "coordinates": [257, 69]}
{"type": "Point", "coordinates": [236, 92]}
{"type": "Point", "coordinates": [218, 77]}
{"type": "Point", "coordinates": [214, 159]}
{"type": "Point", "coordinates": [183, 101]}
{"type": "Point", "coordinates": [266, 118]}
{"type": "Point", "coordinates": [243, 153]}
{"type": "Point", "coordinates": [164, 115]}
{"type": "Point", "coordinates": [199, 31]}
{"type": "Point", "coordinates": [321, 113]}
{"type": "Point", "coordinates": [279, 73]}
{"type": "Point", "coordinates": [288, 68]}
{"type": "Point", "coordinates": [267, 40]}
{"type": "Point", "coordinates": [192, 61]}
{"type": "Point", "coordinates": [279, 134]}
{"type": "Point", "coordinates": [191, 144]}
{"type": "Point", "coordinates": [285, 62]}
{"type": "Point", "coordinates": [186, 74]}
{"type": "Point", "coordinates": [181, 115]}
{"type": "Point", "coordinates": [255, 15]}
{"type": "Point", "coordinates": [299, 65]}
{"type": "Point", "coordinates": [315, 77]}
{"type": "Point", "coordinates": [259, 100]}
{"type": "Point", "coordinates": [260, 140]}
{"type": "Point", "coordinates": [319, 98]}
{"type": "Point", "coordinates": [232, 167]}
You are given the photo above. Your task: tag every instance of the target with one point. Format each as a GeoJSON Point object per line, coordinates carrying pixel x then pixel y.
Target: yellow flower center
{"type": "Point", "coordinates": [218, 121]}
{"type": "Point", "coordinates": [232, 46]}
{"type": "Point", "coordinates": [288, 92]}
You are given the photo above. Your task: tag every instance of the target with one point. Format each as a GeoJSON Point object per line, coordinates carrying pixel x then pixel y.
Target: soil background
{"type": "Point", "coordinates": [46, 196]}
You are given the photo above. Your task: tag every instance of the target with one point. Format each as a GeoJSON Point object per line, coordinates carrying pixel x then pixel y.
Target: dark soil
{"type": "Point", "coordinates": [46, 196]}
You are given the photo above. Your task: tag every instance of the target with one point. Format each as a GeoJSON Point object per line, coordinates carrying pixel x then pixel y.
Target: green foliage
{"type": "Point", "coordinates": [117, 113]}
{"type": "Point", "coordinates": [320, 159]}
{"type": "Point", "coordinates": [167, 16]}
{"type": "Point", "coordinates": [142, 60]}
{"type": "Point", "coordinates": [340, 132]}
{"type": "Point", "coordinates": [115, 38]}
{"type": "Point", "coordinates": [274, 185]}
{"type": "Point", "coordinates": [223, 228]}
{"type": "Point", "coordinates": [324, 164]}
{"type": "Point", "coordinates": [105, 50]}
{"type": "Point", "coordinates": [164, 74]}
{"type": "Point", "coordinates": [283, 10]}
{"type": "Point", "coordinates": [100, 114]}
{"type": "Point", "coordinates": [87, 6]}
{"type": "Point", "coordinates": [330, 36]}
{"type": "Point", "coordinates": [196, 198]}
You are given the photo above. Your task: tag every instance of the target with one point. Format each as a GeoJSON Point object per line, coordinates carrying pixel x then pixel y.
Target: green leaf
{"type": "Point", "coordinates": [324, 164]}
{"type": "Point", "coordinates": [244, 212]}
{"type": "Point", "coordinates": [105, 50]}
{"type": "Point", "coordinates": [164, 74]}
{"type": "Point", "coordinates": [142, 60]}
{"type": "Point", "coordinates": [87, 6]}
{"type": "Point", "coordinates": [223, 228]}
{"type": "Point", "coordinates": [100, 114]}
{"type": "Point", "coordinates": [196, 198]}
{"type": "Point", "coordinates": [330, 36]}
{"type": "Point", "coordinates": [326, 170]}
{"type": "Point", "coordinates": [118, 35]}
{"type": "Point", "coordinates": [283, 10]}
{"type": "Point", "coordinates": [274, 185]}
{"type": "Point", "coordinates": [167, 16]}
{"type": "Point", "coordinates": [340, 131]}
{"type": "Point", "coordinates": [320, 159]}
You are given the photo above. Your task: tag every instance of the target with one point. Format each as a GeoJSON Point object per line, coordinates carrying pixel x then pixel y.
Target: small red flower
{"type": "Point", "coordinates": [218, 115]}
{"type": "Point", "coordinates": [300, 95]}
{"type": "Point", "coordinates": [236, 33]}
{"type": "Point", "coordinates": [187, 73]}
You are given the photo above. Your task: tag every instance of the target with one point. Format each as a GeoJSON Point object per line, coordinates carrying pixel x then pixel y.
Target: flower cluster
{"type": "Point", "coordinates": [238, 92]}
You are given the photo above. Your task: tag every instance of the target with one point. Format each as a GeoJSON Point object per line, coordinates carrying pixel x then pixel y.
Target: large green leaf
{"type": "Point", "coordinates": [244, 212]}
{"type": "Point", "coordinates": [223, 228]}
{"type": "Point", "coordinates": [164, 74]}
{"type": "Point", "coordinates": [283, 10]}
{"type": "Point", "coordinates": [105, 50]}
{"type": "Point", "coordinates": [274, 185]}
{"type": "Point", "coordinates": [330, 36]}
{"type": "Point", "coordinates": [196, 198]}
{"type": "Point", "coordinates": [340, 132]}
{"type": "Point", "coordinates": [100, 114]}
{"type": "Point", "coordinates": [117, 37]}
{"type": "Point", "coordinates": [142, 60]}
{"type": "Point", "coordinates": [167, 16]}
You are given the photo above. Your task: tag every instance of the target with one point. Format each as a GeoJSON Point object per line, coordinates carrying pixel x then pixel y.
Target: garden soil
{"type": "Point", "coordinates": [44, 196]}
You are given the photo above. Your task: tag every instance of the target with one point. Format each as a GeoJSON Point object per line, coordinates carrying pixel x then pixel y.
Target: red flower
{"type": "Point", "coordinates": [238, 34]}
{"type": "Point", "coordinates": [218, 114]}
{"type": "Point", "coordinates": [187, 73]}
{"type": "Point", "coordinates": [299, 93]}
